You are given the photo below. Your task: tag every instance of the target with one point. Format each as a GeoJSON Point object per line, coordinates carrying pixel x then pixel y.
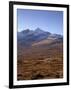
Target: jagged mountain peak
{"type": "Point", "coordinates": [39, 30]}
{"type": "Point", "coordinates": [26, 31]}
{"type": "Point", "coordinates": [31, 36]}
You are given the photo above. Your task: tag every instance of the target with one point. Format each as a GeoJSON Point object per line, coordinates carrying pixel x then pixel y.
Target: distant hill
{"type": "Point", "coordinates": [28, 37]}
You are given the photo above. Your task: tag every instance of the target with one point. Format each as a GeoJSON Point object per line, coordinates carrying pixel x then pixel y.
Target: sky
{"type": "Point", "coordinates": [51, 21]}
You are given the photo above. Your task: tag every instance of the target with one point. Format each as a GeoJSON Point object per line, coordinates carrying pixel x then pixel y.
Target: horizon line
{"type": "Point", "coordinates": [40, 29]}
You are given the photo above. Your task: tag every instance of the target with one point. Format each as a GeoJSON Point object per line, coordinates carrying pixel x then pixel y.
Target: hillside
{"type": "Point", "coordinates": [40, 55]}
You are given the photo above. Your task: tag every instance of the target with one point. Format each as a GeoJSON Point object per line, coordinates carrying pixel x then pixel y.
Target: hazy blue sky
{"type": "Point", "coordinates": [51, 21]}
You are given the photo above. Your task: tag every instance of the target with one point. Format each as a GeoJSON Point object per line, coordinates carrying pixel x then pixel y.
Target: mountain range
{"type": "Point", "coordinates": [31, 37]}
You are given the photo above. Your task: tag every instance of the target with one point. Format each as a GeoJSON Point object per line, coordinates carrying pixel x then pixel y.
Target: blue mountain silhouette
{"type": "Point", "coordinates": [26, 37]}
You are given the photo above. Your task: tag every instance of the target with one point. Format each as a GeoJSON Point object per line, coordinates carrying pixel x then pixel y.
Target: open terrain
{"type": "Point", "coordinates": [41, 59]}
